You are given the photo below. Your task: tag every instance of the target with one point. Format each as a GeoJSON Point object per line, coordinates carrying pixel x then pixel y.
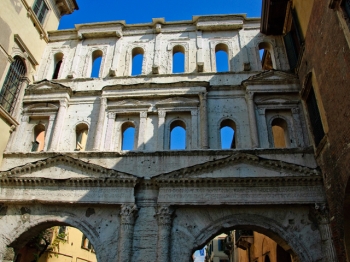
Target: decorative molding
{"type": "Point", "coordinates": [7, 117]}
{"type": "Point", "coordinates": [25, 49]}
{"type": "Point", "coordinates": [272, 77]}
{"type": "Point", "coordinates": [177, 102]}
{"type": "Point", "coordinates": [128, 214]}
{"type": "Point", "coordinates": [45, 86]}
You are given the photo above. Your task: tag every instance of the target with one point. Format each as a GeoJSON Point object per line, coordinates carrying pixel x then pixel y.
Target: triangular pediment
{"type": "Point", "coordinates": [129, 103]}
{"type": "Point", "coordinates": [46, 86]}
{"type": "Point", "coordinates": [177, 101]}
{"type": "Point", "coordinates": [272, 76]}
{"type": "Point", "coordinates": [64, 168]}
{"type": "Point", "coordinates": [240, 165]}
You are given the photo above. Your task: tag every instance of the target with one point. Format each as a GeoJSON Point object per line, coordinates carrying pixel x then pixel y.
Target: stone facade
{"type": "Point", "coordinates": [153, 203]}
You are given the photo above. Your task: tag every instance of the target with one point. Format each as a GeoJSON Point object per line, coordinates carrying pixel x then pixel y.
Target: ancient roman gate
{"type": "Point", "coordinates": [65, 163]}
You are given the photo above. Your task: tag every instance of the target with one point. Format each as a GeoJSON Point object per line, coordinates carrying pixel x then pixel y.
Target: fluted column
{"type": "Point", "coordinates": [57, 130]}
{"type": "Point", "coordinates": [109, 132]}
{"type": "Point", "coordinates": [252, 120]}
{"type": "Point", "coordinates": [164, 217]}
{"type": "Point", "coordinates": [194, 126]}
{"type": "Point", "coordinates": [320, 212]}
{"type": "Point", "coordinates": [48, 131]}
{"type": "Point", "coordinates": [126, 232]}
{"type": "Point", "coordinates": [100, 123]}
{"type": "Point", "coordinates": [204, 120]}
{"type": "Point", "coordinates": [142, 130]}
{"type": "Point", "coordinates": [161, 126]}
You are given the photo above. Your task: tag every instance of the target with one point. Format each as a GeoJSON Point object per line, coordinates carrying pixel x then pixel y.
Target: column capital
{"type": "Point", "coordinates": [103, 101]}
{"type": "Point", "coordinates": [52, 117]}
{"type": "Point", "coordinates": [295, 110]}
{"type": "Point", "coordinates": [25, 118]}
{"type": "Point", "coordinates": [194, 112]}
{"type": "Point", "coordinates": [63, 103]}
{"type": "Point", "coordinates": [203, 96]}
{"type": "Point", "coordinates": [143, 114]}
{"type": "Point", "coordinates": [261, 111]}
{"type": "Point", "coordinates": [164, 215]}
{"type": "Point", "coordinates": [161, 113]}
{"type": "Point", "coordinates": [111, 115]}
{"type": "Point", "coordinates": [128, 213]}
{"type": "Point", "coordinates": [320, 212]}
{"type": "Point", "coordinates": [249, 95]}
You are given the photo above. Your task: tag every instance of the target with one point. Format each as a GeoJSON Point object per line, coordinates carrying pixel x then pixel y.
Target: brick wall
{"type": "Point", "coordinates": [327, 54]}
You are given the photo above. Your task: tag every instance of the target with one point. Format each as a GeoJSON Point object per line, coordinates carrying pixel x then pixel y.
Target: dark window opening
{"type": "Point", "coordinates": [178, 59]}
{"type": "Point", "coordinates": [221, 57]}
{"type": "Point", "coordinates": [314, 116]}
{"type": "Point", "coordinates": [177, 135]}
{"type": "Point", "coordinates": [137, 60]}
{"type": "Point", "coordinates": [40, 9]}
{"type": "Point", "coordinates": [12, 84]}
{"type": "Point", "coordinates": [57, 62]}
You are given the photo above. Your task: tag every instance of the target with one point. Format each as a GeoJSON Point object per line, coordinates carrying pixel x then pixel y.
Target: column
{"type": "Point", "coordinates": [252, 120]}
{"type": "Point", "coordinates": [142, 130]}
{"type": "Point", "coordinates": [100, 123]}
{"type": "Point", "coordinates": [164, 217]}
{"type": "Point", "coordinates": [126, 231]}
{"type": "Point", "coordinates": [204, 120]}
{"type": "Point", "coordinates": [116, 54]}
{"type": "Point", "coordinates": [109, 145]}
{"type": "Point", "coordinates": [20, 135]}
{"type": "Point", "coordinates": [156, 58]}
{"type": "Point", "coordinates": [194, 125]}
{"type": "Point", "coordinates": [297, 128]}
{"type": "Point", "coordinates": [320, 212]}
{"type": "Point", "coordinates": [264, 136]}
{"type": "Point", "coordinates": [161, 127]}
{"type": "Point", "coordinates": [49, 131]}
{"type": "Point", "coordinates": [57, 130]}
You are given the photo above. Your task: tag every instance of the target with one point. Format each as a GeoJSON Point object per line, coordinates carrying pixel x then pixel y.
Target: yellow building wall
{"type": "Point", "coordinates": [71, 251]}
{"type": "Point", "coordinates": [4, 137]}
{"type": "Point", "coordinates": [303, 9]}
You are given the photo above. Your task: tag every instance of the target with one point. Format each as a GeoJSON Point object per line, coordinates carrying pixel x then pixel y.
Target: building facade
{"type": "Point", "coordinates": [24, 25]}
{"type": "Point", "coordinates": [149, 202]}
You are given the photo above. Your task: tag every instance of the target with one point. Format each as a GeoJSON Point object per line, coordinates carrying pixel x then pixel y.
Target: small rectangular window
{"type": "Point", "coordinates": [347, 7]}
{"type": "Point", "coordinates": [40, 9]}
{"type": "Point", "coordinates": [221, 245]}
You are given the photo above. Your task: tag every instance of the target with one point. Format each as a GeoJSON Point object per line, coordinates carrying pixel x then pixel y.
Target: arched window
{"type": "Point", "coordinates": [12, 84]}
{"type": "Point", "coordinates": [178, 59]}
{"type": "Point", "coordinates": [228, 134]}
{"type": "Point", "coordinates": [39, 138]}
{"type": "Point", "coordinates": [177, 135]}
{"type": "Point", "coordinates": [96, 63]}
{"type": "Point", "coordinates": [280, 133]}
{"type": "Point", "coordinates": [265, 50]}
{"type": "Point", "coordinates": [81, 132]}
{"type": "Point", "coordinates": [57, 65]}
{"type": "Point", "coordinates": [128, 139]}
{"type": "Point", "coordinates": [221, 58]}
{"type": "Point", "coordinates": [137, 60]}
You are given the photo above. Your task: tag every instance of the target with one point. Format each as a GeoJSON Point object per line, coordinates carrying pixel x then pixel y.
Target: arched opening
{"type": "Point", "coordinates": [137, 60]}
{"type": "Point", "coordinates": [57, 65]}
{"type": "Point", "coordinates": [241, 245]}
{"type": "Point", "coordinates": [228, 134]}
{"type": "Point", "coordinates": [12, 84]}
{"type": "Point", "coordinates": [280, 133]}
{"type": "Point", "coordinates": [56, 243]}
{"type": "Point", "coordinates": [96, 63]}
{"type": "Point", "coordinates": [177, 135]}
{"type": "Point", "coordinates": [81, 132]}
{"type": "Point", "coordinates": [265, 50]}
{"type": "Point", "coordinates": [178, 59]}
{"type": "Point", "coordinates": [128, 136]}
{"type": "Point", "coordinates": [39, 138]}
{"type": "Point", "coordinates": [221, 58]}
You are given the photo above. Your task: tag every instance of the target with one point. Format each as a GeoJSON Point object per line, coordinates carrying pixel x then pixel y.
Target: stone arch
{"type": "Point", "coordinates": [19, 235]}
{"type": "Point", "coordinates": [256, 222]}
{"type": "Point", "coordinates": [288, 130]}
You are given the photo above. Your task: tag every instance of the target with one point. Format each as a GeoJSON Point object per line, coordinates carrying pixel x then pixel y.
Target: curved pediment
{"type": "Point", "coordinates": [64, 168]}
{"type": "Point", "coordinates": [45, 86]}
{"type": "Point", "coordinates": [240, 166]}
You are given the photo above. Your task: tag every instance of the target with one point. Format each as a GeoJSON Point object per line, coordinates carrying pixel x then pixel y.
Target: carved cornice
{"type": "Point", "coordinates": [45, 86]}
{"type": "Point", "coordinates": [271, 77]}
{"type": "Point", "coordinates": [100, 176]}
{"type": "Point", "coordinates": [240, 158]}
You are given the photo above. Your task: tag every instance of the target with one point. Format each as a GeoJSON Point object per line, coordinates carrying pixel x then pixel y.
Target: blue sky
{"type": "Point", "coordinates": [142, 11]}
